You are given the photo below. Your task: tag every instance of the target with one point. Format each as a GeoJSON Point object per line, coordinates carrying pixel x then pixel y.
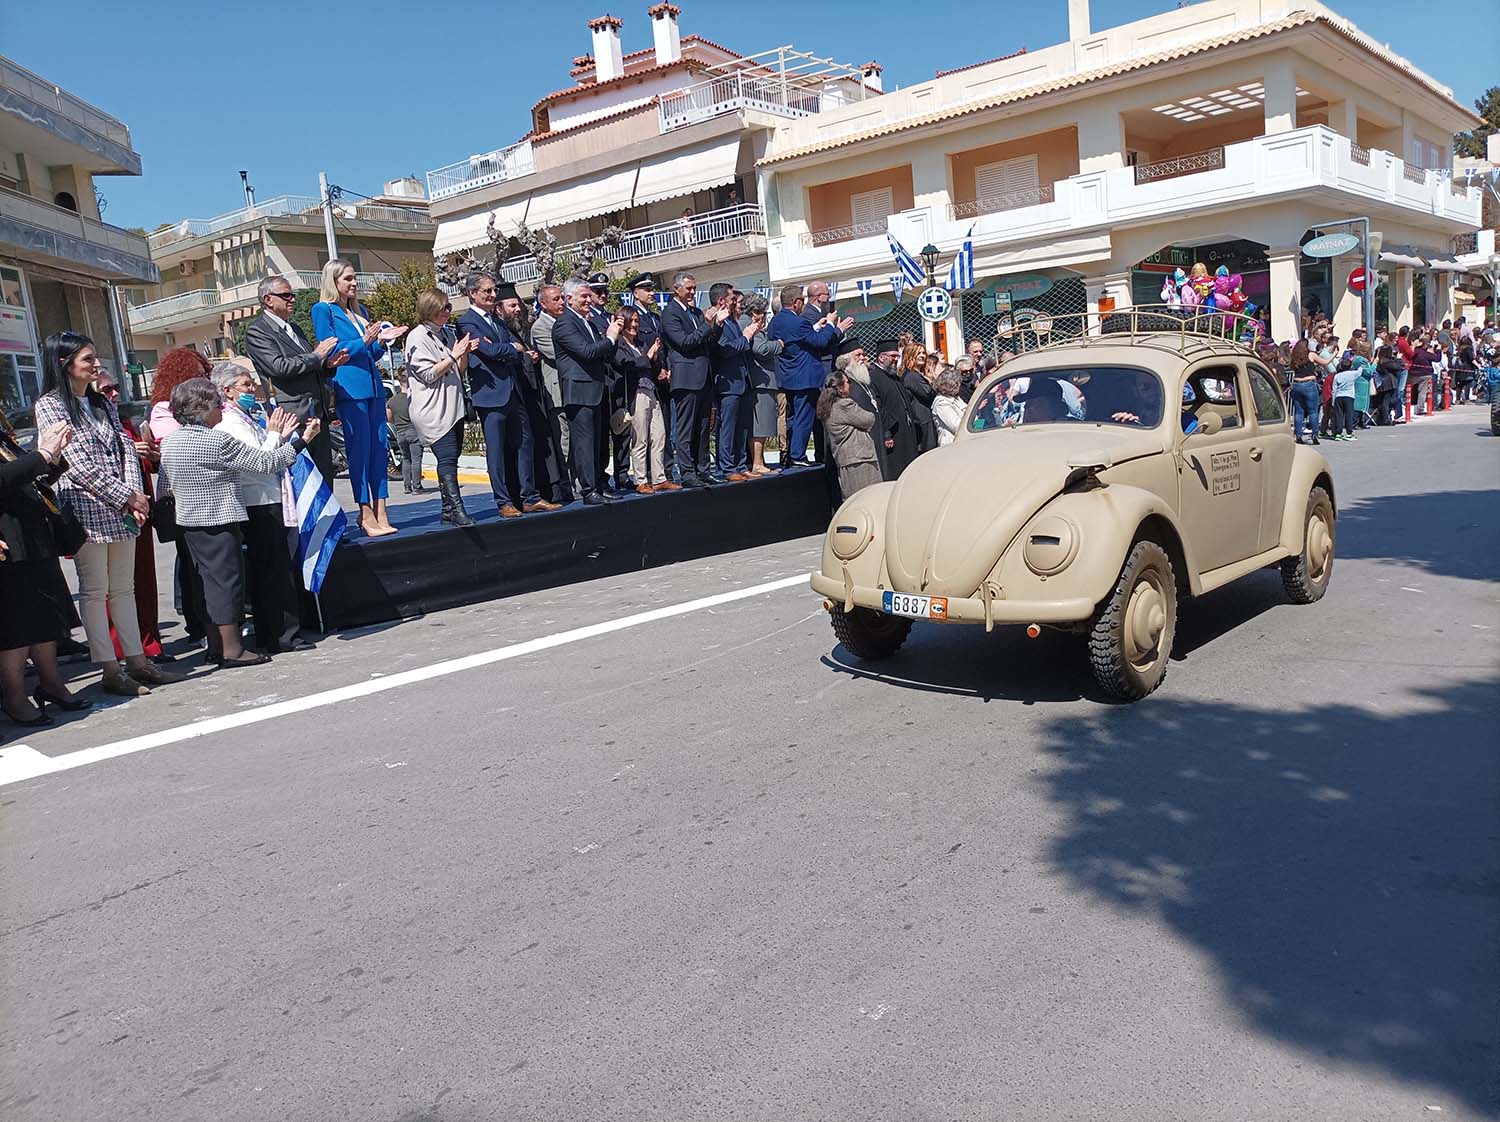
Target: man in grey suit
{"type": "Point", "coordinates": [292, 366]}
{"type": "Point", "coordinates": [550, 297]}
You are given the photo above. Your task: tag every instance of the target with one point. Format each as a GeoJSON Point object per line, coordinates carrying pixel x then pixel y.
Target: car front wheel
{"type": "Point", "coordinates": [869, 634]}
{"type": "Point", "coordinates": [1305, 577]}
{"type": "Point", "coordinates": [1131, 637]}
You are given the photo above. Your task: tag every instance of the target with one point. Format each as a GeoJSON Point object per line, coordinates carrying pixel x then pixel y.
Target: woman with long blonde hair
{"type": "Point", "coordinates": [359, 393]}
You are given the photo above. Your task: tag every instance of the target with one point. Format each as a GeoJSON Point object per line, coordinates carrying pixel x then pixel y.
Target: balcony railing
{"type": "Point", "coordinates": [1466, 243]}
{"type": "Point", "coordinates": [993, 204]}
{"type": "Point", "coordinates": [159, 312]}
{"type": "Point", "coordinates": [848, 233]}
{"type": "Point", "coordinates": [1191, 164]}
{"type": "Point", "coordinates": [80, 112]}
{"type": "Point", "coordinates": [664, 237]}
{"type": "Point", "coordinates": [480, 171]}
{"type": "Point", "coordinates": [730, 93]}
{"type": "Point", "coordinates": [172, 307]}
{"type": "Point", "coordinates": [280, 207]}
{"type": "Point", "coordinates": [34, 212]}
{"type": "Point", "coordinates": [1359, 155]}
{"type": "Point", "coordinates": [1415, 175]}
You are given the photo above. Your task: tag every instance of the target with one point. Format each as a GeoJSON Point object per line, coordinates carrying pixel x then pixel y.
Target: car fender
{"type": "Point", "coordinates": [866, 508]}
{"type": "Point", "coordinates": [1309, 470]}
{"type": "Point", "coordinates": [1109, 519]}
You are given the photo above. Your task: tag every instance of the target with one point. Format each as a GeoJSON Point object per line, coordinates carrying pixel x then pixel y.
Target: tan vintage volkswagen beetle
{"type": "Point", "coordinates": [1095, 483]}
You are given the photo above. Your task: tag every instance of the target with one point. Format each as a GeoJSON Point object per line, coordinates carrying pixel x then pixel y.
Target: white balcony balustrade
{"type": "Point", "coordinates": [189, 307]}
{"type": "Point", "coordinates": [729, 93]}
{"type": "Point", "coordinates": [307, 207]}
{"type": "Point", "coordinates": [172, 309]}
{"type": "Point", "coordinates": [665, 237]}
{"type": "Point", "coordinates": [480, 171]}
{"type": "Point", "coordinates": [1264, 168]}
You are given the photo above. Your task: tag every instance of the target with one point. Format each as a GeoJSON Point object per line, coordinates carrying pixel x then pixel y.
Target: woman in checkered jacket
{"type": "Point", "coordinates": [104, 488]}
{"type": "Point", "coordinates": [201, 465]}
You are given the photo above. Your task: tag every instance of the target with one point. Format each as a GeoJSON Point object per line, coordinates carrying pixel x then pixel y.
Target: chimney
{"type": "Point", "coordinates": [871, 72]}
{"type": "Point", "coordinates": [1078, 19]}
{"type": "Point", "coordinates": [609, 61]}
{"type": "Point", "coordinates": [664, 32]}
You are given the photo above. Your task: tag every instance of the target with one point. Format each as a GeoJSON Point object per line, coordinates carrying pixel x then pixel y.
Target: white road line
{"type": "Point", "coordinates": [19, 762]}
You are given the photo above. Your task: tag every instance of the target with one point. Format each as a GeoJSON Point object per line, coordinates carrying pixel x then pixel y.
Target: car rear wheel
{"type": "Point", "coordinates": [1305, 577]}
{"type": "Point", "coordinates": [1130, 639]}
{"type": "Point", "coordinates": [869, 634]}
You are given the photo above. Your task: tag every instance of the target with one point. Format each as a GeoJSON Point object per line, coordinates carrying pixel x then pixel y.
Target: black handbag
{"type": "Point", "coordinates": [68, 534]}
{"type": "Point", "coordinates": [164, 518]}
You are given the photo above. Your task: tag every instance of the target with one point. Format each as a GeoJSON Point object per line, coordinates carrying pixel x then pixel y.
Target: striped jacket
{"type": "Point", "coordinates": [202, 466]}
{"type": "Point", "coordinates": [103, 471]}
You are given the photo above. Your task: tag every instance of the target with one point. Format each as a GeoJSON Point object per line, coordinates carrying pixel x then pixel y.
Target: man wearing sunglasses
{"type": "Point", "coordinates": [294, 367]}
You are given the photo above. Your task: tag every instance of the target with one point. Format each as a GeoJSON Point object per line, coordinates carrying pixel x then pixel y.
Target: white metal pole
{"type": "Point", "coordinates": [333, 242]}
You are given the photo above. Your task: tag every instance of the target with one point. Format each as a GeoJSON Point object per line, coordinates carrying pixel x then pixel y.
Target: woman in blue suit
{"type": "Point", "coordinates": [359, 394]}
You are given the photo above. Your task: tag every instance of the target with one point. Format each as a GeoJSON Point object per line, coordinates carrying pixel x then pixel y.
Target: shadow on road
{"type": "Point", "coordinates": [1447, 533]}
{"type": "Point", "coordinates": [1342, 868]}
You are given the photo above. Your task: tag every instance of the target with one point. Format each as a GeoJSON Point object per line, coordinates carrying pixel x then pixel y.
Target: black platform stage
{"type": "Point", "coordinates": [429, 566]}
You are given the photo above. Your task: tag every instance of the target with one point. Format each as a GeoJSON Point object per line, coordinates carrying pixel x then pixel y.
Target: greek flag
{"type": "Point", "coordinates": [911, 269]}
{"type": "Point", "coordinates": [833, 291]}
{"type": "Point", "coordinates": [961, 272]}
{"type": "Point", "coordinates": [320, 522]}
{"type": "Point", "coordinates": [864, 290]}
{"type": "Point", "coordinates": [763, 291]}
{"type": "Point", "coordinates": [898, 286]}
{"type": "Point", "coordinates": [661, 300]}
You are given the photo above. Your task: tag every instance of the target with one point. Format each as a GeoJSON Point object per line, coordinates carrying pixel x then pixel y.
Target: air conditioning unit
{"type": "Point", "coordinates": [187, 268]}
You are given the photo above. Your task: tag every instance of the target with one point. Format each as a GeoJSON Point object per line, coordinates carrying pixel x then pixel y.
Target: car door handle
{"type": "Point", "coordinates": [1255, 453]}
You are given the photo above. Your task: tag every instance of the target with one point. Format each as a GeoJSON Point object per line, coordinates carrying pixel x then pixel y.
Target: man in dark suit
{"type": "Point", "coordinates": [619, 393]}
{"type": "Point", "coordinates": [818, 306]}
{"type": "Point", "coordinates": [582, 358]}
{"type": "Point", "coordinates": [687, 331]}
{"type": "Point", "coordinates": [292, 366]}
{"type": "Point", "coordinates": [643, 291]}
{"type": "Point", "coordinates": [494, 367]}
{"type": "Point", "coordinates": [799, 368]}
{"type": "Point", "coordinates": [729, 357]}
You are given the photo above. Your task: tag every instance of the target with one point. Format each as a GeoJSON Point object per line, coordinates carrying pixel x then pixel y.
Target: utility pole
{"type": "Point", "coordinates": [333, 242]}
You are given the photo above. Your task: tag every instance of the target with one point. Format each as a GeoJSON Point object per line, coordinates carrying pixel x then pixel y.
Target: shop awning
{"type": "Point", "coordinates": [693, 169]}
{"type": "Point", "coordinates": [1402, 255]}
{"type": "Point", "coordinates": [458, 234]}
{"type": "Point", "coordinates": [1445, 262]}
{"type": "Point", "coordinates": [583, 199]}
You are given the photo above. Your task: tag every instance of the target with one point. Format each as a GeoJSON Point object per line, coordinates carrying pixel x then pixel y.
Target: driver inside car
{"type": "Point", "coordinates": [1042, 402]}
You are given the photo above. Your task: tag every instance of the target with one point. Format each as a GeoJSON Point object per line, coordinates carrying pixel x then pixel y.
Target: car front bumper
{"type": "Point", "coordinates": [965, 609]}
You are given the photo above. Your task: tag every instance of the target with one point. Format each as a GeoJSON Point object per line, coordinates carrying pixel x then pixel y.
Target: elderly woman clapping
{"type": "Point", "coordinates": [202, 465]}
{"type": "Point", "coordinates": [270, 508]}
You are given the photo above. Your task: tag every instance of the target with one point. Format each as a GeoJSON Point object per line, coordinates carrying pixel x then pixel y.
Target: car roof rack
{"type": "Point", "coordinates": [1187, 332]}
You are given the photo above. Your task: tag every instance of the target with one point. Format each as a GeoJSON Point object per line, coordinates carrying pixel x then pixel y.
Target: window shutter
{"type": "Point", "coordinates": [1008, 177]}
{"type": "Point", "coordinates": [871, 208]}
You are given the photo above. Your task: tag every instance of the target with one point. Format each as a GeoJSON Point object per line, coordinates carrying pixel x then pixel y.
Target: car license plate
{"type": "Point", "coordinates": [915, 607]}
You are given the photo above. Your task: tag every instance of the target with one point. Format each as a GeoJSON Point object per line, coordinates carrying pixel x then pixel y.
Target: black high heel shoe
{"type": "Point", "coordinates": [43, 698]}
{"type": "Point", "coordinates": [38, 721]}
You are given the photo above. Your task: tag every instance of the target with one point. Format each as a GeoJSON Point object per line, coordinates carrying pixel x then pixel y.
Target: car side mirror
{"type": "Point", "coordinates": [1209, 422]}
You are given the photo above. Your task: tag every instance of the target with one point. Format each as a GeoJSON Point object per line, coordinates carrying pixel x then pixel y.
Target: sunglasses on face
{"type": "Point", "coordinates": [280, 295]}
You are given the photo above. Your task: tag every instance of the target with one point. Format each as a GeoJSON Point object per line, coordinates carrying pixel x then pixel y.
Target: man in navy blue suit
{"type": "Point", "coordinates": [729, 357]}
{"type": "Point", "coordinates": [687, 331]}
{"type": "Point", "coordinates": [494, 367]}
{"type": "Point", "coordinates": [582, 365]}
{"type": "Point", "coordinates": [799, 367]}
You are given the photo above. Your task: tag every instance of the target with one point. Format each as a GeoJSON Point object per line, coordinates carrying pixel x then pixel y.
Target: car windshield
{"type": "Point", "coordinates": [1104, 395]}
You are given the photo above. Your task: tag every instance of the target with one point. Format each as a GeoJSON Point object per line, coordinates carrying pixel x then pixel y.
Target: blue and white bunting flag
{"type": "Point", "coordinates": [864, 290]}
{"type": "Point", "coordinates": [763, 291]}
{"type": "Point", "coordinates": [961, 272]}
{"type": "Point", "coordinates": [321, 522]}
{"type": "Point", "coordinates": [627, 299]}
{"type": "Point", "coordinates": [898, 286]}
{"type": "Point", "coordinates": [911, 268]}
{"type": "Point", "coordinates": [833, 291]}
{"type": "Point", "coordinates": [661, 300]}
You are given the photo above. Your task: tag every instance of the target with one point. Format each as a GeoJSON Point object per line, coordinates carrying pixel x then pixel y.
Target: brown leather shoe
{"type": "Point", "coordinates": [540, 505]}
{"type": "Point", "coordinates": [509, 511]}
{"type": "Point", "coordinates": [644, 489]}
{"type": "Point", "coordinates": [123, 685]}
{"type": "Point", "coordinates": [669, 486]}
{"type": "Point", "coordinates": [737, 477]}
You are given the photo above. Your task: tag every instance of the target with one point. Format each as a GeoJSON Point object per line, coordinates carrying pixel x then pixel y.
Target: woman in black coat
{"type": "Point", "coordinates": [33, 594]}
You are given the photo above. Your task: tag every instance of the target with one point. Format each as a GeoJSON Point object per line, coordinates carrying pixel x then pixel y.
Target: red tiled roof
{"type": "Point", "coordinates": [986, 62]}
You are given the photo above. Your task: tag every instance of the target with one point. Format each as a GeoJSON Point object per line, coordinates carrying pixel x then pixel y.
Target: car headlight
{"type": "Point", "coordinates": [1051, 545]}
{"type": "Point", "coordinates": [851, 532]}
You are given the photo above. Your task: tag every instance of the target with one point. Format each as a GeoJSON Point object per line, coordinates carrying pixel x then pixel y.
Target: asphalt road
{"type": "Point", "coordinates": [709, 866]}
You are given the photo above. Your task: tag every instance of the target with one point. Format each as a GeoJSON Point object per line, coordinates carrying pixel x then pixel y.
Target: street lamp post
{"type": "Point", "coordinates": [930, 255]}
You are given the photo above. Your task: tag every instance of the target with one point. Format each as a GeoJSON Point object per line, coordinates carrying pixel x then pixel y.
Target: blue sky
{"type": "Point", "coordinates": [370, 93]}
